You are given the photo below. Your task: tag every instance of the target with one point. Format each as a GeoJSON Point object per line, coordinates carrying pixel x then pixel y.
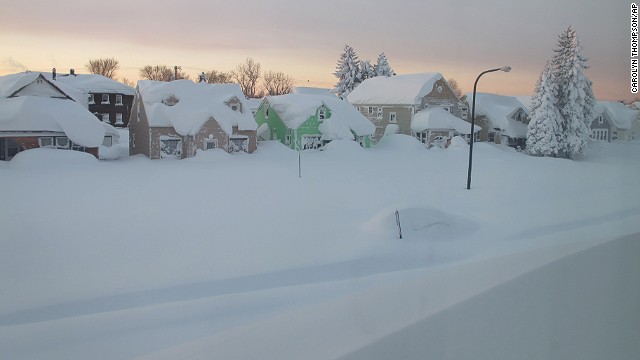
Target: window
{"type": "Point", "coordinates": [62, 142]}
{"type": "Point", "coordinates": [321, 114]}
{"type": "Point", "coordinates": [238, 144]}
{"type": "Point", "coordinates": [600, 119]}
{"type": "Point", "coordinates": [210, 144]}
{"type": "Point", "coordinates": [370, 110]}
{"type": "Point", "coordinates": [235, 107]}
{"type": "Point", "coordinates": [392, 118]}
{"type": "Point", "coordinates": [92, 99]}
{"type": "Point", "coordinates": [118, 99]}
{"type": "Point", "coordinates": [107, 141]}
{"type": "Point", "coordinates": [105, 118]}
{"type": "Point", "coordinates": [311, 142]}
{"type": "Point", "coordinates": [105, 98]}
{"type": "Point", "coordinates": [379, 114]}
{"type": "Point", "coordinates": [266, 113]}
{"type": "Point", "coordinates": [119, 119]}
{"type": "Point", "coordinates": [46, 141]}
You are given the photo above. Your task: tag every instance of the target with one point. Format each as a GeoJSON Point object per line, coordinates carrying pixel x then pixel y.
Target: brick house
{"type": "Point", "coordinates": [504, 119]}
{"type": "Point", "coordinates": [108, 99]}
{"type": "Point", "coordinates": [173, 120]}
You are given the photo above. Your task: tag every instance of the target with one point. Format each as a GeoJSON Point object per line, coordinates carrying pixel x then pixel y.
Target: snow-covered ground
{"type": "Point", "coordinates": [236, 257]}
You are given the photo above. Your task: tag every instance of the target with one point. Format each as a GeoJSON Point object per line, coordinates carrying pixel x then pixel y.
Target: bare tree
{"type": "Point", "coordinates": [277, 83]}
{"type": "Point", "coordinates": [247, 76]}
{"type": "Point", "coordinates": [105, 67]}
{"type": "Point", "coordinates": [218, 77]}
{"type": "Point", "coordinates": [128, 82]}
{"type": "Point", "coordinates": [158, 73]}
{"type": "Point", "coordinates": [455, 87]}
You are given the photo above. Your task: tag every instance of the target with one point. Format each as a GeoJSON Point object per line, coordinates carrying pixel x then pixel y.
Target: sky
{"type": "Point", "coordinates": [304, 39]}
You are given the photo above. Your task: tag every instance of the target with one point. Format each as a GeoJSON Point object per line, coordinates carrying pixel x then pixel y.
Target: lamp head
{"type": "Point", "coordinates": [505, 68]}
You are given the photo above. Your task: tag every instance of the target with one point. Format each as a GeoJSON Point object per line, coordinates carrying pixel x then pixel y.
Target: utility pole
{"type": "Point", "coordinates": [175, 71]}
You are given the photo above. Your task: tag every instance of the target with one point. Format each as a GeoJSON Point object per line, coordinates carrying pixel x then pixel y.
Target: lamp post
{"type": "Point", "coordinates": [473, 118]}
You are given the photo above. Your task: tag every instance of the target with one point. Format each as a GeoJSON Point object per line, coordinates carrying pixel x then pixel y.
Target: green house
{"type": "Point", "coordinates": [304, 121]}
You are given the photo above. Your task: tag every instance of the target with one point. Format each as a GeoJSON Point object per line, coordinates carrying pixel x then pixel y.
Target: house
{"type": "Point", "coordinates": [172, 120]}
{"type": "Point", "coordinates": [435, 127]}
{"type": "Point", "coordinates": [395, 100]}
{"type": "Point", "coordinates": [38, 112]}
{"type": "Point", "coordinates": [108, 99]}
{"type": "Point", "coordinates": [504, 119]}
{"type": "Point", "coordinates": [614, 121]}
{"type": "Point", "coordinates": [303, 121]}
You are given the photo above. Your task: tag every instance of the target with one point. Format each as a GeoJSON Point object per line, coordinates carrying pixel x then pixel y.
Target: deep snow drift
{"type": "Point", "coordinates": [233, 255]}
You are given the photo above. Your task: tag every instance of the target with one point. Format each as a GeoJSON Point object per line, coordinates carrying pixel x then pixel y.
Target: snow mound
{"type": "Point", "coordinates": [343, 146]}
{"type": "Point", "coordinates": [399, 142]}
{"type": "Point", "coordinates": [458, 142]}
{"type": "Point", "coordinates": [44, 158]}
{"type": "Point", "coordinates": [421, 223]}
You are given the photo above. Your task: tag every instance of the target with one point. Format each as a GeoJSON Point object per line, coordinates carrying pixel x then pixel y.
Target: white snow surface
{"type": "Point", "coordinates": [197, 103]}
{"type": "Point", "coordinates": [35, 113]}
{"type": "Point", "coordinates": [406, 89]}
{"type": "Point", "coordinates": [435, 118]}
{"type": "Point", "coordinates": [312, 91]}
{"type": "Point", "coordinates": [498, 109]}
{"type": "Point", "coordinates": [94, 83]}
{"type": "Point", "coordinates": [98, 260]}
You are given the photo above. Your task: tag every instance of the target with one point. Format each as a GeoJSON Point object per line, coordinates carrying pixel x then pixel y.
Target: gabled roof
{"type": "Point", "coordinates": [295, 109]}
{"type": "Point", "coordinates": [35, 113]}
{"type": "Point", "coordinates": [498, 109]}
{"type": "Point", "coordinates": [621, 115]}
{"type": "Point", "coordinates": [394, 90]}
{"type": "Point", "coordinates": [197, 103]}
{"type": "Point", "coordinates": [93, 83]}
{"type": "Point", "coordinates": [438, 118]}
{"type": "Point", "coordinates": [14, 84]}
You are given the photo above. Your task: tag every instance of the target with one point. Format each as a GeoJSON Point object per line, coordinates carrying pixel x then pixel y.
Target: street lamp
{"type": "Point", "coordinates": [473, 118]}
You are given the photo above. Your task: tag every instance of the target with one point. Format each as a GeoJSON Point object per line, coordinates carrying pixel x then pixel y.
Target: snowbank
{"type": "Point", "coordinates": [46, 159]}
{"type": "Point", "coordinates": [399, 142]}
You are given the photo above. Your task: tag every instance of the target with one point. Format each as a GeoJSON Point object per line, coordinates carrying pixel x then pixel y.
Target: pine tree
{"type": "Point", "coordinates": [347, 72]}
{"type": "Point", "coordinates": [367, 70]}
{"type": "Point", "coordinates": [382, 67]}
{"type": "Point", "coordinates": [543, 133]}
{"type": "Point", "coordinates": [575, 100]}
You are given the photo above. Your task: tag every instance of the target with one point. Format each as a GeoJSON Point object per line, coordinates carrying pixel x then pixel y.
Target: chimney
{"type": "Point", "coordinates": [72, 72]}
{"type": "Point", "coordinates": [53, 73]}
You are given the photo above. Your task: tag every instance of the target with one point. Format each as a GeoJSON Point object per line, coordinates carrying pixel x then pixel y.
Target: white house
{"type": "Point", "coordinates": [37, 112]}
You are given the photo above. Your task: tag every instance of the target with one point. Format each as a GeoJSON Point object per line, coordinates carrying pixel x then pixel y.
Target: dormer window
{"type": "Point", "coordinates": [171, 100]}
{"type": "Point", "coordinates": [234, 104]}
{"type": "Point", "coordinates": [322, 114]}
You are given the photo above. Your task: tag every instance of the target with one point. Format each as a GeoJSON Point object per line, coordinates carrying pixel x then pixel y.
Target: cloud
{"type": "Point", "coordinates": [12, 64]}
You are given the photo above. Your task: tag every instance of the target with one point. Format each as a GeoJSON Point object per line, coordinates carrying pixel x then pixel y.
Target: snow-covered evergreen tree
{"type": "Point", "coordinates": [382, 67]}
{"type": "Point", "coordinates": [544, 135]}
{"type": "Point", "coordinates": [347, 72]}
{"type": "Point", "coordinates": [367, 70]}
{"type": "Point", "coordinates": [575, 100]}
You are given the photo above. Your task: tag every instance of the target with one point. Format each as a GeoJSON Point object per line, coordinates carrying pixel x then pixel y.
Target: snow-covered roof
{"type": "Point", "coordinates": [498, 109]}
{"type": "Point", "coordinates": [10, 84]}
{"type": "Point", "coordinates": [438, 118]}
{"type": "Point", "coordinates": [92, 83]}
{"type": "Point", "coordinates": [197, 102]}
{"type": "Point", "coordinates": [621, 115]}
{"type": "Point", "coordinates": [394, 90]}
{"type": "Point", "coordinates": [35, 113]}
{"type": "Point", "coordinates": [295, 109]}
{"type": "Point", "coordinates": [312, 91]}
